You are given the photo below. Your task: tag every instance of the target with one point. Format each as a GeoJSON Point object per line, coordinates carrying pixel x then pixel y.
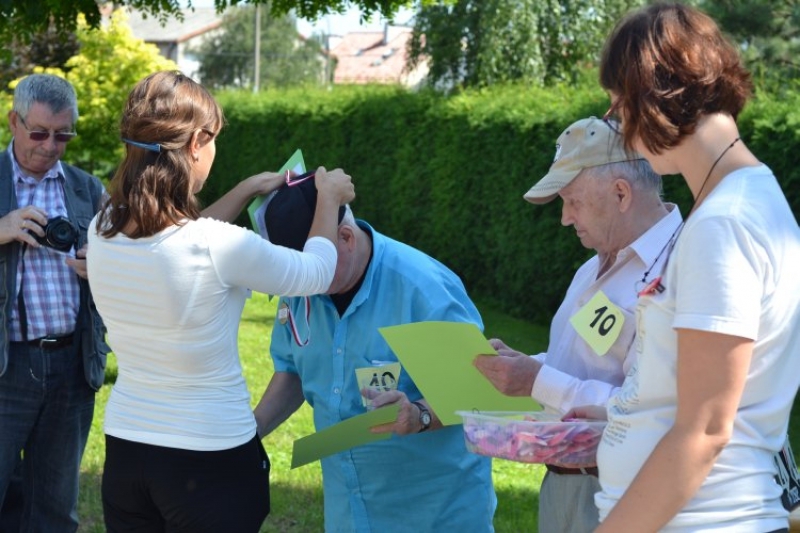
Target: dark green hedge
{"type": "Point", "coordinates": [447, 174]}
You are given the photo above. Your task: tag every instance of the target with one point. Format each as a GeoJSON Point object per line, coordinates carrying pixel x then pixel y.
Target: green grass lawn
{"type": "Point", "coordinates": [297, 494]}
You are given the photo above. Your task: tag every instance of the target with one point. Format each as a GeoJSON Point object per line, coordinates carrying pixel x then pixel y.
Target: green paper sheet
{"type": "Point", "coordinates": [257, 206]}
{"type": "Point", "coordinates": [438, 356]}
{"type": "Point", "coordinates": [343, 436]}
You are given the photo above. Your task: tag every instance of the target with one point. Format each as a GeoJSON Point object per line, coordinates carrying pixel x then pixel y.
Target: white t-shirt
{"type": "Point", "coordinates": [172, 304]}
{"type": "Point", "coordinates": [733, 271]}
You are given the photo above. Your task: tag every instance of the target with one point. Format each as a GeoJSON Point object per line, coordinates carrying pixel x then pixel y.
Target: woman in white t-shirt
{"type": "Point", "coordinates": [691, 436]}
{"type": "Point", "coordinates": [170, 283]}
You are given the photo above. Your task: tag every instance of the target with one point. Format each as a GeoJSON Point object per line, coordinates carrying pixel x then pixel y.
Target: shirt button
{"type": "Point", "coordinates": [336, 390]}
{"type": "Point", "coordinates": [339, 351]}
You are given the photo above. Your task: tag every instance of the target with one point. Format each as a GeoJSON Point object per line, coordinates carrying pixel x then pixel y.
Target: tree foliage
{"type": "Point", "coordinates": [24, 18]}
{"type": "Point", "coordinates": [49, 48]}
{"type": "Point", "coordinates": [110, 62]}
{"type": "Point", "coordinates": [473, 43]}
{"type": "Point", "coordinates": [227, 58]}
{"type": "Point", "coordinates": [768, 32]}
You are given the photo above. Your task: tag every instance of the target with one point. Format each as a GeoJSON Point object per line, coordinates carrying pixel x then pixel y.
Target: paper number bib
{"type": "Point", "coordinates": [384, 377]}
{"type": "Point", "coordinates": [599, 323]}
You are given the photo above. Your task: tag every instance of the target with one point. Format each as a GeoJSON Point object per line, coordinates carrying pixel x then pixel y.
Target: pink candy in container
{"type": "Point", "coordinates": [533, 437]}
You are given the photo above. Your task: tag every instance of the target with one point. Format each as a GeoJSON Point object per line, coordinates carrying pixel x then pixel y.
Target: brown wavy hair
{"type": "Point", "coordinates": [668, 65]}
{"type": "Point", "coordinates": [152, 189]}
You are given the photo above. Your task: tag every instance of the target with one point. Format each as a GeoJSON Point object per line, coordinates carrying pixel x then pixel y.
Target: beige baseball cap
{"type": "Point", "coordinates": [589, 142]}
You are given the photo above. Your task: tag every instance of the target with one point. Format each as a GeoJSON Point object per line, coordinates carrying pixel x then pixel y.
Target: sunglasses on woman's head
{"type": "Point", "coordinates": [610, 117]}
{"type": "Point", "coordinates": [291, 180]}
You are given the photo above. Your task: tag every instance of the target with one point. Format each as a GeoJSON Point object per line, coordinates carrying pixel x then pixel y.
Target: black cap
{"type": "Point", "coordinates": [290, 213]}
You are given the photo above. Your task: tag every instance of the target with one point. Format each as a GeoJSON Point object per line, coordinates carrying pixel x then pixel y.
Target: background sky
{"type": "Point", "coordinates": [337, 24]}
{"type": "Point", "coordinates": [349, 21]}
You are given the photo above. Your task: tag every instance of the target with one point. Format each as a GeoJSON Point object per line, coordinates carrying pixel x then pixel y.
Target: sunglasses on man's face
{"type": "Point", "coordinates": [43, 135]}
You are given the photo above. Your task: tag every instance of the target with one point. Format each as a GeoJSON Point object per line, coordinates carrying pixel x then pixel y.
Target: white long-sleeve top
{"type": "Point", "coordinates": [172, 304]}
{"type": "Point", "coordinates": [572, 373]}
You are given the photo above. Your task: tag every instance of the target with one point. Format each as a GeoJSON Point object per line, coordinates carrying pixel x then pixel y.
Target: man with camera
{"type": "Point", "coordinates": [52, 345]}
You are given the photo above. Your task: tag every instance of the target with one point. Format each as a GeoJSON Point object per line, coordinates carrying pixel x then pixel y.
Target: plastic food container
{"type": "Point", "coordinates": [533, 437]}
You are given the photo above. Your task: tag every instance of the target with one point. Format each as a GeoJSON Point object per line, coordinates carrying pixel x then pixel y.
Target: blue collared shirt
{"type": "Point", "coordinates": [422, 482]}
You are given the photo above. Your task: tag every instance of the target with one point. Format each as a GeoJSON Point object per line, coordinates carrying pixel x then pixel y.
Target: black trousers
{"type": "Point", "coordinates": [157, 489]}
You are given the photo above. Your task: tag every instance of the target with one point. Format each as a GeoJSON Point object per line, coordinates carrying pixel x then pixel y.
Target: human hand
{"type": "Point", "coordinates": [18, 225]}
{"type": "Point", "coordinates": [591, 412]}
{"type": "Point", "coordinates": [335, 184]}
{"type": "Point", "coordinates": [407, 421]}
{"type": "Point", "coordinates": [502, 349]}
{"type": "Point", "coordinates": [264, 183]}
{"type": "Point", "coordinates": [512, 373]}
{"type": "Point", "coordinates": [78, 263]}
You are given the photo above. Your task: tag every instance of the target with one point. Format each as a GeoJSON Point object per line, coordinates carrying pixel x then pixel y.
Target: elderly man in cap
{"type": "Point", "coordinates": [612, 199]}
{"type": "Point", "coordinates": [328, 352]}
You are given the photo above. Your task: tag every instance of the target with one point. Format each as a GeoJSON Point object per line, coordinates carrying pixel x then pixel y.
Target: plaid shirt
{"type": "Point", "coordinates": [51, 290]}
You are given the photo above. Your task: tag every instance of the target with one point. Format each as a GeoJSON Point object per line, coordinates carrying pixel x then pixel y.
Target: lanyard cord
{"type": "Point", "coordinates": [293, 325]}
{"type": "Point", "coordinates": [655, 285]}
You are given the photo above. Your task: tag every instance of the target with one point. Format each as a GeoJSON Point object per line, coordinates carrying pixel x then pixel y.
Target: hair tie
{"type": "Point", "coordinates": [150, 147]}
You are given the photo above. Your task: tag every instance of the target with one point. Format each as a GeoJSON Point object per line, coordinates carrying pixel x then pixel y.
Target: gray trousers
{"type": "Point", "coordinates": [566, 504]}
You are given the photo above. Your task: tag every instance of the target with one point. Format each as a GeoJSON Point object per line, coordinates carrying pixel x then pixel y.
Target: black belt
{"type": "Point", "coordinates": [588, 471]}
{"type": "Point", "coordinates": [50, 342]}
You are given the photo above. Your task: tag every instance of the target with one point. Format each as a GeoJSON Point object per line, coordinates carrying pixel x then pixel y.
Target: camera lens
{"type": "Point", "coordinates": [59, 234]}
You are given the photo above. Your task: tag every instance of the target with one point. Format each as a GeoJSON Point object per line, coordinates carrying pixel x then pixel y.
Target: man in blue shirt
{"type": "Point", "coordinates": [326, 348]}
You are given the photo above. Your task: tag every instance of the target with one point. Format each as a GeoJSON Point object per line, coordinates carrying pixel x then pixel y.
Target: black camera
{"type": "Point", "coordinates": [59, 234]}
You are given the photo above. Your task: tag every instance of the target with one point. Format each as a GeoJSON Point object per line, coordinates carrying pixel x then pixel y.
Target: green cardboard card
{"type": "Point", "coordinates": [343, 436]}
{"type": "Point", "coordinates": [438, 356]}
{"type": "Point", "coordinates": [259, 204]}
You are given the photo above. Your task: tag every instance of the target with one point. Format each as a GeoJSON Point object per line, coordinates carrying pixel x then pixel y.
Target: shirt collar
{"type": "Point", "coordinates": [652, 241]}
{"type": "Point", "coordinates": [378, 244]}
{"type": "Point", "coordinates": [54, 171]}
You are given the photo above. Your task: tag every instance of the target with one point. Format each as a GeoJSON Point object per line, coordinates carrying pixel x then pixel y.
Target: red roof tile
{"type": "Point", "coordinates": [366, 57]}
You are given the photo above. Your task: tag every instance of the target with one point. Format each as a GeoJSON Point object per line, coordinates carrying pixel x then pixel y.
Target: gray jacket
{"type": "Point", "coordinates": [83, 193]}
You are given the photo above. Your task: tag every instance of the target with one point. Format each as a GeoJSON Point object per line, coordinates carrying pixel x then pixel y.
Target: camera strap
{"type": "Point", "coordinates": [23, 316]}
